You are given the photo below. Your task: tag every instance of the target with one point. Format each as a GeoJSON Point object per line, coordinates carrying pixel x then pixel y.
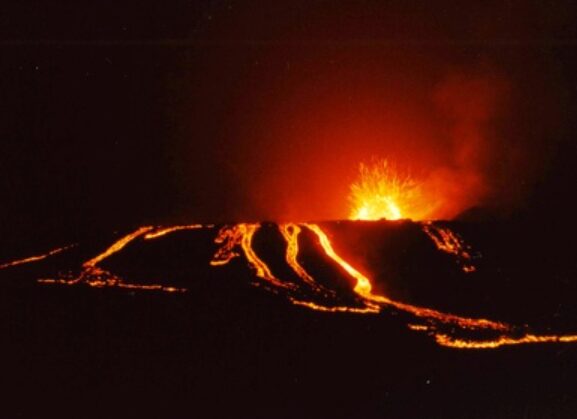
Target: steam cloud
{"type": "Point", "coordinates": [469, 106]}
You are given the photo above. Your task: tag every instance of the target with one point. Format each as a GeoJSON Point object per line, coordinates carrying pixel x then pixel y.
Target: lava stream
{"type": "Point", "coordinates": [449, 242]}
{"type": "Point", "coordinates": [95, 276]}
{"type": "Point", "coordinates": [116, 247]}
{"type": "Point", "coordinates": [241, 235]}
{"type": "Point", "coordinates": [36, 258]}
{"type": "Point", "coordinates": [451, 342]}
{"type": "Point", "coordinates": [291, 232]}
{"type": "Point", "coordinates": [363, 288]}
{"type": "Point", "coordinates": [238, 240]}
{"type": "Point", "coordinates": [504, 334]}
{"type": "Point", "coordinates": [167, 230]}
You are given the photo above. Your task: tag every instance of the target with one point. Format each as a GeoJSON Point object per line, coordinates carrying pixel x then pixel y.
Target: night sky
{"type": "Point", "coordinates": [116, 115]}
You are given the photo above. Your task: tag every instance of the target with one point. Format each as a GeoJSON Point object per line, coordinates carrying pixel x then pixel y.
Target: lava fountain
{"type": "Point", "coordinates": [380, 192]}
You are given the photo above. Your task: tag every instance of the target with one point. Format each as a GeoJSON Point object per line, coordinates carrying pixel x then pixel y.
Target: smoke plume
{"type": "Point", "coordinates": [468, 106]}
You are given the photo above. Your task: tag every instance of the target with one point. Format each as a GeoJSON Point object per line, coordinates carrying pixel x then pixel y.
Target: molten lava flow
{"type": "Point", "coordinates": [95, 276]}
{"type": "Point", "coordinates": [116, 247]}
{"type": "Point", "coordinates": [290, 232]}
{"type": "Point", "coordinates": [363, 285]}
{"type": "Point", "coordinates": [434, 318]}
{"type": "Point", "coordinates": [37, 258]}
{"type": "Point", "coordinates": [437, 324]}
{"type": "Point", "coordinates": [449, 242]}
{"type": "Point", "coordinates": [381, 193]}
{"type": "Point", "coordinates": [448, 341]}
{"type": "Point", "coordinates": [167, 230]}
{"type": "Point", "coordinates": [302, 289]}
{"type": "Point", "coordinates": [335, 309]}
{"type": "Point", "coordinates": [363, 288]}
{"type": "Point", "coordinates": [417, 327]}
{"type": "Point", "coordinates": [241, 235]}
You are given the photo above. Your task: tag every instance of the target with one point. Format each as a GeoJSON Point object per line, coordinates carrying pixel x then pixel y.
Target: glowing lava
{"type": "Point", "coordinates": [36, 258]}
{"type": "Point", "coordinates": [237, 242]}
{"type": "Point", "coordinates": [363, 288]}
{"type": "Point", "coordinates": [380, 192]}
{"type": "Point", "coordinates": [95, 276]}
{"type": "Point", "coordinates": [241, 235]}
{"type": "Point", "coordinates": [291, 232]}
{"type": "Point", "coordinates": [447, 329]}
{"type": "Point", "coordinates": [450, 242]}
{"type": "Point", "coordinates": [167, 230]}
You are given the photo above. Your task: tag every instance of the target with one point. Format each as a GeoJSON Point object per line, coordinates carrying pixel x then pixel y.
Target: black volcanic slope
{"type": "Point", "coordinates": [225, 348]}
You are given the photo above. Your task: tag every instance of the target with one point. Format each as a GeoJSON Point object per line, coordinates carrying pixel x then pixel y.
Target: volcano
{"type": "Point", "coordinates": [378, 283]}
{"type": "Point", "coordinates": [288, 209]}
{"type": "Point", "coordinates": [299, 264]}
{"type": "Point", "coordinates": [361, 293]}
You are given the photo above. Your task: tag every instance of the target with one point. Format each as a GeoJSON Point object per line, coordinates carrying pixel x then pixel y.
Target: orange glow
{"type": "Point", "coordinates": [242, 235]}
{"type": "Point", "coordinates": [363, 288]}
{"type": "Point", "coordinates": [363, 285]}
{"type": "Point", "coordinates": [97, 277]}
{"type": "Point", "coordinates": [290, 232]}
{"type": "Point", "coordinates": [449, 242]}
{"type": "Point", "coordinates": [335, 309]}
{"type": "Point", "coordinates": [448, 341]}
{"type": "Point", "coordinates": [112, 282]}
{"type": "Point", "coordinates": [436, 322]}
{"type": "Point", "coordinates": [380, 192]}
{"type": "Point", "coordinates": [116, 247]}
{"type": "Point", "coordinates": [37, 258]}
{"type": "Point", "coordinates": [417, 327]}
{"type": "Point", "coordinates": [447, 329]}
{"type": "Point", "coordinates": [370, 303]}
{"type": "Point", "coordinates": [167, 230]}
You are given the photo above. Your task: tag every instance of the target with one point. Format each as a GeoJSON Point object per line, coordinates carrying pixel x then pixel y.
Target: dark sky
{"type": "Point", "coordinates": [114, 115]}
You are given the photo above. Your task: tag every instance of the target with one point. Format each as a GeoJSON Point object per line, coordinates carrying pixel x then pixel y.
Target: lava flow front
{"type": "Point", "coordinates": [379, 194]}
